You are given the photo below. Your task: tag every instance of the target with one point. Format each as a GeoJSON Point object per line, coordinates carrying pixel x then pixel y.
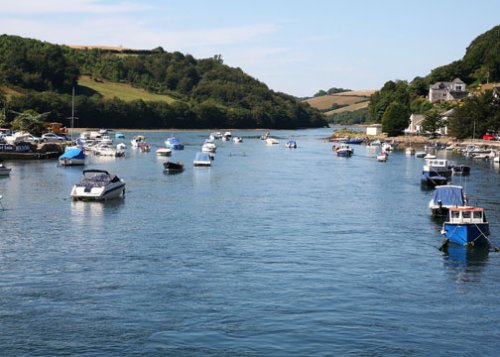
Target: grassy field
{"type": "Point", "coordinates": [9, 92]}
{"type": "Point", "coordinates": [121, 90]}
{"type": "Point", "coordinates": [349, 108]}
{"type": "Point", "coordinates": [352, 100]}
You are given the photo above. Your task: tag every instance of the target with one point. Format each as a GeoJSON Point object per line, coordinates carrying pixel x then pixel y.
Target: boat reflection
{"type": "Point", "coordinates": [81, 210]}
{"type": "Point", "coordinates": [465, 259]}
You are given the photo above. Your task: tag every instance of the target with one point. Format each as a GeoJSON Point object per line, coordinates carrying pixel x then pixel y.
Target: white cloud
{"type": "Point", "coordinates": [27, 7]}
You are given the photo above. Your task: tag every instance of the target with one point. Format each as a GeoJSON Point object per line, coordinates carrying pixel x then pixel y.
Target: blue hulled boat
{"type": "Point", "coordinates": [72, 157]}
{"type": "Point", "coordinates": [344, 150]}
{"type": "Point", "coordinates": [466, 226]}
{"type": "Point", "coordinates": [174, 144]}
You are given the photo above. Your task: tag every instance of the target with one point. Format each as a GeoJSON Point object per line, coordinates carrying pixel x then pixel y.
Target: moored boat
{"type": "Point", "coordinates": [272, 141]}
{"type": "Point", "coordinates": [72, 157]}
{"type": "Point", "coordinates": [209, 147]}
{"type": "Point", "coordinates": [173, 167]}
{"type": "Point", "coordinates": [446, 197]}
{"type": "Point", "coordinates": [174, 143]}
{"type": "Point", "coordinates": [163, 151]}
{"type": "Point", "coordinates": [98, 185]}
{"type": "Point", "coordinates": [460, 169]}
{"type": "Point", "coordinates": [136, 140]}
{"type": "Point", "coordinates": [291, 144]}
{"type": "Point", "coordinates": [202, 159]}
{"type": "Point", "coordinates": [344, 150]}
{"type": "Point", "coordinates": [382, 156]}
{"type": "Point", "coordinates": [435, 172]}
{"type": "Point", "coordinates": [466, 226]}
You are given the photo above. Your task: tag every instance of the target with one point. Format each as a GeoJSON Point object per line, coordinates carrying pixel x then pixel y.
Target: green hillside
{"type": "Point", "coordinates": [123, 91]}
{"type": "Point", "coordinates": [142, 89]}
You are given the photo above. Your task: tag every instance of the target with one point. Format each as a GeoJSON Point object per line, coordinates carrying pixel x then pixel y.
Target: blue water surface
{"type": "Point", "coordinates": [271, 251]}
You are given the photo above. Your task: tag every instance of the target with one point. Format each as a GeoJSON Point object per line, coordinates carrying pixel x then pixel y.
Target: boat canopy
{"type": "Point", "coordinates": [74, 153]}
{"type": "Point", "coordinates": [449, 195]}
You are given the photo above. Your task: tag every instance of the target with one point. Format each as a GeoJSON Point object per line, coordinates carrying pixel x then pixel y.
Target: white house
{"type": "Point", "coordinates": [374, 129]}
{"type": "Point", "coordinates": [447, 91]}
{"type": "Point", "coordinates": [416, 121]}
{"type": "Point", "coordinates": [415, 127]}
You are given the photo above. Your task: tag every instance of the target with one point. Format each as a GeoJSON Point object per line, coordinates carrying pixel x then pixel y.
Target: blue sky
{"type": "Point", "coordinates": [296, 47]}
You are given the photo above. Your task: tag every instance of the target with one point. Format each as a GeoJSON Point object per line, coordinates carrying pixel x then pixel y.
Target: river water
{"type": "Point", "coordinates": [271, 251]}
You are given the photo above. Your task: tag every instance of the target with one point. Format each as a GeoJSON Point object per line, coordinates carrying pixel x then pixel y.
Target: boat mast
{"type": "Point", "coordinates": [72, 117]}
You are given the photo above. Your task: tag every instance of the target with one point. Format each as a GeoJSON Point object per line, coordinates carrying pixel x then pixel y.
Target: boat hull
{"type": "Point", "coordinates": [79, 193]}
{"type": "Point", "coordinates": [4, 171]}
{"type": "Point", "coordinates": [467, 234]}
{"type": "Point", "coordinates": [344, 153]}
{"type": "Point", "coordinates": [433, 181]}
{"type": "Point", "coordinates": [173, 167]}
{"type": "Point", "coordinates": [71, 162]}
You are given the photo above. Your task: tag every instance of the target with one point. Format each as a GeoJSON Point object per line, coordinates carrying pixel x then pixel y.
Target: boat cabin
{"type": "Point", "coordinates": [466, 215]}
{"type": "Point", "coordinates": [437, 163]}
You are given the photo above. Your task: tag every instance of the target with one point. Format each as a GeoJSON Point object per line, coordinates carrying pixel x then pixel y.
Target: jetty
{"type": "Point", "coordinates": [26, 151]}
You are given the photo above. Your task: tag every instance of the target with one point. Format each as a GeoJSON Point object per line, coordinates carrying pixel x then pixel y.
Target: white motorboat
{"type": "Point", "coordinates": [98, 185]}
{"type": "Point", "coordinates": [136, 140]}
{"type": "Point", "coordinates": [107, 150]}
{"type": "Point", "coordinates": [272, 141]}
{"type": "Point", "coordinates": [209, 147]}
{"type": "Point", "coordinates": [387, 147]}
{"type": "Point", "coordinates": [344, 150]}
{"type": "Point", "coordinates": [163, 151]}
{"type": "Point", "coordinates": [237, 139]}
{"type": "Point", "coordinates": [382, 156]}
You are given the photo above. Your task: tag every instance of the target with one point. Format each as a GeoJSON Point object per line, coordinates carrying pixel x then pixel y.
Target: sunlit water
{"type": "Point", "coordinates": [271, 251]}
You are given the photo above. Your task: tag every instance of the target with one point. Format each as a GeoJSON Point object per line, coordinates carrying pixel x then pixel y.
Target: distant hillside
{"type": "Point", "coordinates": [141, 88]}
{"type": "Point", "coordinates": [340, 102]}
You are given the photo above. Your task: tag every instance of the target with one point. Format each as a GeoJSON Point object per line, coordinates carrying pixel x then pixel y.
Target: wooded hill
{"type": "Point", "coordinates": [140, 89]}
{"type": "Point", "coordinates": [480, 64]}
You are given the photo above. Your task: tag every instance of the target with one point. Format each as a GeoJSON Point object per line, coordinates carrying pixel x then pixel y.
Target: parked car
{"type": "Point", "coordinates": [32, 139]}
{"type": "Point", "coordinates": [53, 137]}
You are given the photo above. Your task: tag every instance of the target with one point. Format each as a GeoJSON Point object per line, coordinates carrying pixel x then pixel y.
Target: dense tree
{"type": "Point", "coordinates": [475, 117]}
{"type": "Point", "coordinates": [433, 121]}
{"type": "Point", "coordinates": [29, 121]}
{"type": "Point", "coordinates": [391, 92]}
{"type": "Point", "coordinates": [395, 119]}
